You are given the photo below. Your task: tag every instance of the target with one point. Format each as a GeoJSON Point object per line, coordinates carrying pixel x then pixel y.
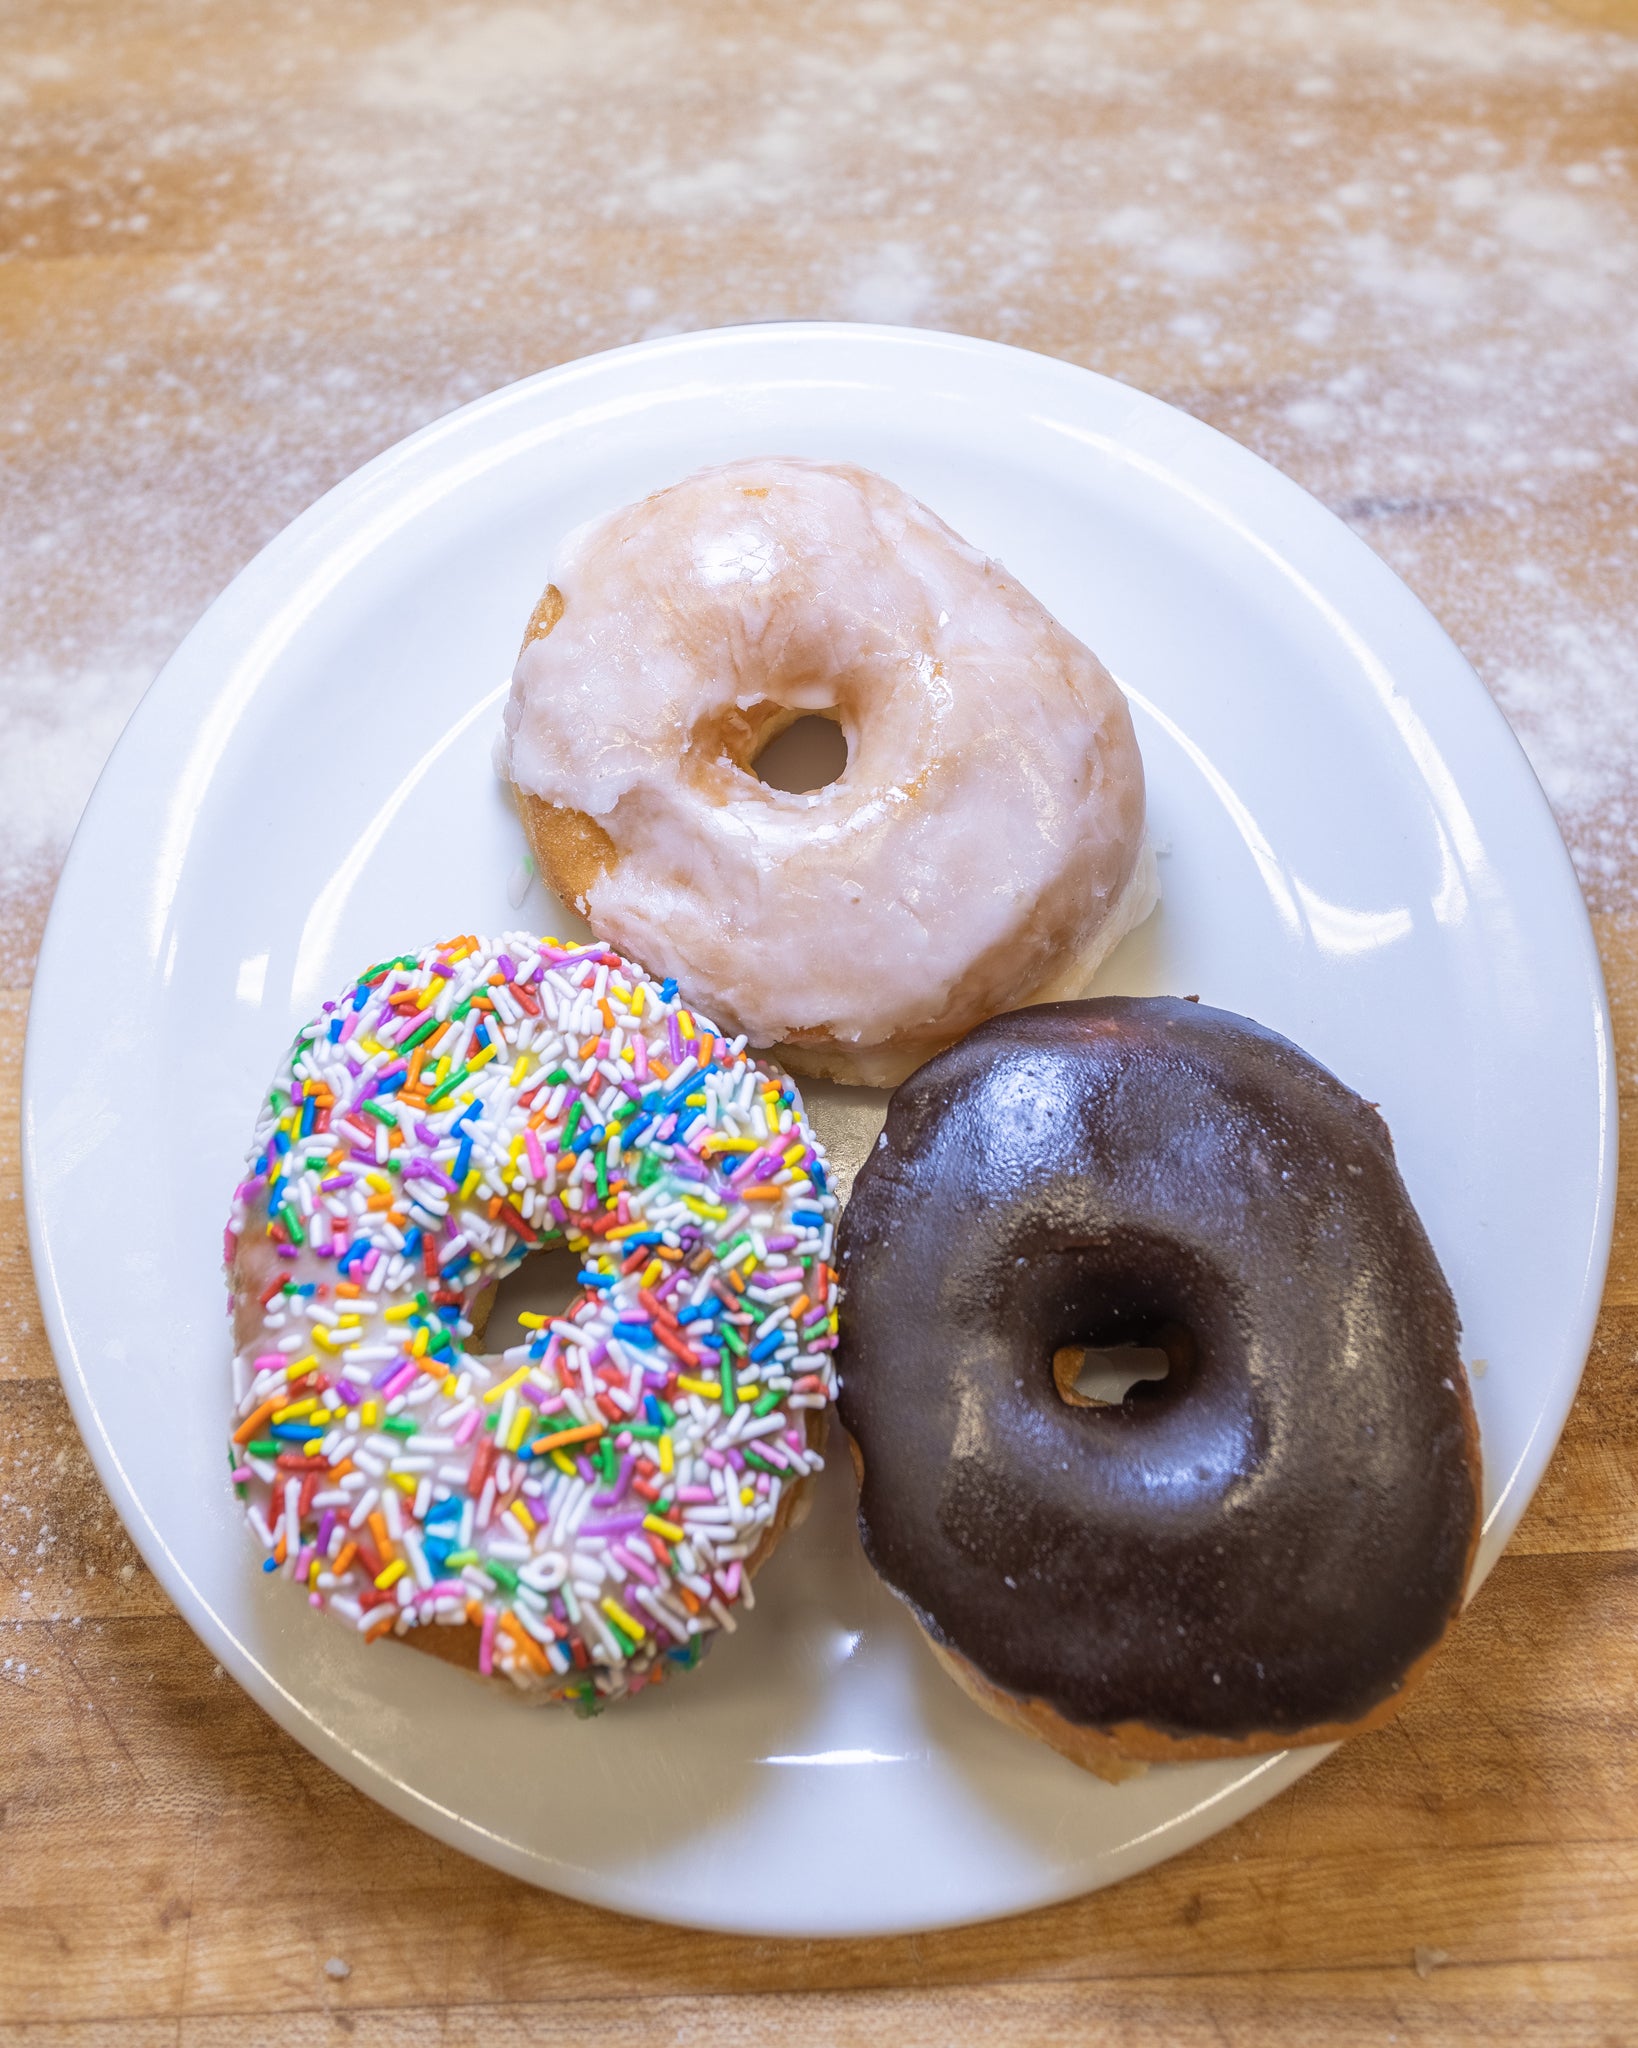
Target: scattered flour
{"type": "Point", "coordinates": [1390, 244]}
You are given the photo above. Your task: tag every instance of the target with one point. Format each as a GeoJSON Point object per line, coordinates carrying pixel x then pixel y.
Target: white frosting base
{"type": "Point", "coordinates": [991, 816]}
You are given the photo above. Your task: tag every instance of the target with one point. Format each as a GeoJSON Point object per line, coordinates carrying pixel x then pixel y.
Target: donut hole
{"type": "Point", "coordinates": [544, 1285]}
{"type": "Point", "coordinates": [805, 754]}
{"type": "Point", "coordinates": [1121, 1369]}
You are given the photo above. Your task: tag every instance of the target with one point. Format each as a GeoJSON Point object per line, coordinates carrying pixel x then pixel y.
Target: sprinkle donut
{"type": "Point", "coordinates": [584, 1511]}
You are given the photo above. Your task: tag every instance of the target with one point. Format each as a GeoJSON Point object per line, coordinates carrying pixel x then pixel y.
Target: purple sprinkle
{"type": "Point", "coordinates": [584, 1466]}
{"type": "Point", "coordinates": [442, 967]}
{"type": "Point", "coordinates": [673, 1037]}
{"type": "Point", "coordinates": [612, 1525]}
{"type": "Point", "coordinates": [506, 965]}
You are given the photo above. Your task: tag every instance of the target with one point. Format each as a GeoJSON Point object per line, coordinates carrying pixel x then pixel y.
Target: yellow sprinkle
{"type": "Point", "coordinates": [520, 1067]}
{"type": "Point", "coordinates": [407, 1483]}
{"type": "Point", "coordinates": [304, 1365]}
{"type": "Point", "coordinates": [618, 1615]}
{"type": "Point", "coordinates": [517, 1147]}
{"type": "Point", "coordinates": [440, 1073]}
{"type": "Point", "coordinates": [659, 1526]}
{"type": "Point", "coordinates": [390, 1575]}
{"type": "Point", "coordinates": [668, 1457]}
{"type": "Point", "coordinates": [449, 1385]}
{"type": "Point", "coordinates": [495, 1392]}
{"type": "Point", "coordinates": [370, 1414]}
{"type": "Point", "coordinates": [522, 1423]}
{"type": "Point", "coordinates": [400, 1314]}
{"type": "Point", "coordinates": [325, 1341]}
{"type": "Point", "coordinates": [704, 1387]}
{"type": "Point", "coordinates": [713, 1211]}
{"type": "Point", "coordinates": [296, 1408]}
{"type": "Point", "coordinates": [694, 1101]}
{"type": "Point", "coordinates": [794, 1152]}
{"type": "Point", "coordinates": [482, 1059]}
{"type": "Point", "coordinates": [530, 1320]}
{"type": "Point", "coordinates": [564, 1463]}
{"type": "Point", "coordinates": [419, 1343]}
{"type": "Point", "coordinates": [628, 1055]}
{"type": "Point", "coordinates": [429, 995]}
{"type": "Point", "coordinates": [379, 1182]}
{"type": "Point", "coordinates": [652, 1272]}
{"type": "Point", "coordinates": [521, 1515]}
{"type": "Point", "coordinates": [717, 1143]}
{"type": "Point", "coordinates": [469, 1184]}
{"type": "Point", "coordinates": [685, 1024]}
{"type": "Point", "coordinates": [747, 1494]}
{"type": "Point", "coordinates": [636, 1004]}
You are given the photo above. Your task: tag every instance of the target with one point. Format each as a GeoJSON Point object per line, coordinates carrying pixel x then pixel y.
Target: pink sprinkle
{"type": "Point", "coordinates": [537, 1158]}
{"type": "Point", "coordinates": [695, 1496]}
{"type": "Point", "coordinates": [714, 1457]}
{"type": "Point", "coordinates": [464, 1435]}
{"type": "Point", "coordinates": [729, 1581]}
{"type": "Point", "coordinates": [633, 1562]}
{"type": "Point", "coordinates": [486, 1643]}
{"type": "Point", "coordinates": [267, 1360]}
{"type": "Point", "coordinates": [639, 1062]}
{"type": "Point", "coordinates": [402, 1378]}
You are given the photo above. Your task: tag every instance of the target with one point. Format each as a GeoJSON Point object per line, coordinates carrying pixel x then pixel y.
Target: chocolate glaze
{"type": "Point", "coordinates": [1266, 1540]}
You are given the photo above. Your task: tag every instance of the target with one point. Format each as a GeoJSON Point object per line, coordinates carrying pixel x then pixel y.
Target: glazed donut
{"type": "Point", "coordinates": [587, 1508]}
{"type": "Point", "coordinates": [984, 846]}
{"type": "Point", "coordinates": [1264, 1547]}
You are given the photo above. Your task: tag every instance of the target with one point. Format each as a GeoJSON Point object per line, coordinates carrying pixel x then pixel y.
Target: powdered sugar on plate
{"type": "Point", "coordinates": [1392, 245]}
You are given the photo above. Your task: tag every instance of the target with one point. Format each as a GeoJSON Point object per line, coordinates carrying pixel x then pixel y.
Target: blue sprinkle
{"type": "Point", "coordinates": [270, 1564]}
{"type": "Point", "coordinates": [309, 1111]}
{"type": "Point", "coordinates": [412, 1242]}
{"type": "Point", "coordinates": [635, 1333]}
{"type": "Point", "coordinates": [651, 1410]}
{"type": "Point", "coordinates": [769, 1345]}
{"type": "Point", "coordinates": [813, 1216]}
{"type": "Point", "coordinates": [361, 995]}
{"type": "Point", "coordinates": [463, 1158]}
{"type": "Point", "coordinates": [668, 988]}
{"type": "Point", "coordinates": [335, 1029]}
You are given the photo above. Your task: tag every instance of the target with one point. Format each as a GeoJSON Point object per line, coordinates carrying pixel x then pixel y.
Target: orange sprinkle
{"type": "Point", "coordinates": [344, 1557]}
{"type": "Point", "coordinates": [248, 1428]}
{"type": "Point", "coordinates": [761, 1193]}
{"type": "Point", "coordinates": [383, 1542]}
{"type": "Point", "coordinates": [349, 1288]}
{"type": "Point", "coordinates": [564, 1437]}
{"type": "Point", "coordinates": [377, 1629]}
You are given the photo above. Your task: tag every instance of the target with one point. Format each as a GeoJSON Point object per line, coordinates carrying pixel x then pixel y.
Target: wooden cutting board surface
{"type": "Point", "coordinates": [1392, 245]}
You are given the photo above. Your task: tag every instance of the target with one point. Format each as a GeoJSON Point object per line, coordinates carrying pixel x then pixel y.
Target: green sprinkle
{"type": "Point", "coordinates": [264, 1447]}
{"type": "Point", "coordinates": [458, 1560]}
{"type": "Point", "coordinates": [381, 1115]}
{"type": "Point", "coordinates": [730, 1399]}
{"type": "Point", "coordinates": [502, 1574]}
{"type": "Point", "coordinates": [768, 1403]}
{"type": "Point", "coordinates": [287, 1216]}
{"type": "Point", "coordinates": [446, 1088]}
{"type": "Point", "coordinates": [731, 1337]}
{"type": "Point", "coordinates": [572, 1125]}
{"type": "Point", "coordinates": [420, 1035]}
{"type": "Point", "coordinates": [555, 1076]}
{"type": "Point", "coordinates": [400, 1425]}
{"type": "Point", "coordinates": [602, 1174]}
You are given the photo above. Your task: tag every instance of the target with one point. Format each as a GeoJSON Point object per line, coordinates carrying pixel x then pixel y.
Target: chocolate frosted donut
{"type": "Point", "coordinates": [1260, 1549]}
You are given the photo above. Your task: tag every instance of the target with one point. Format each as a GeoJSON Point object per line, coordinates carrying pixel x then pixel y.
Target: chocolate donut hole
{"type": "Point", "coordinates": [1110, 1371]}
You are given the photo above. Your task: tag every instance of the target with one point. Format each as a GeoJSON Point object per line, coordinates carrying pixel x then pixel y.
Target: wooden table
{"type": "Point", "coordinates": [1394, 247]}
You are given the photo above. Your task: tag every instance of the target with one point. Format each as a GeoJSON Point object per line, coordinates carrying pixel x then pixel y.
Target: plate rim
{"type": "Point", "coordinates": [346, 504]}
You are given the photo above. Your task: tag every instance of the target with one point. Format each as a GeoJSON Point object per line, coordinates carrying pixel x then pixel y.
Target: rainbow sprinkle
{"type": "Point", "coordinates": [592, 1502]}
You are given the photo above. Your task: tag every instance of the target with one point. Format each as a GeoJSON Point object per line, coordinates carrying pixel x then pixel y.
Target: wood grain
{"type": "Point", "coordinates": [173, 1869]}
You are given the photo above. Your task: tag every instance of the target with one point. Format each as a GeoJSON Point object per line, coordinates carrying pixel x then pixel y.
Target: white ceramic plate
{"type": "Point", "coordinates": [1355, 852]}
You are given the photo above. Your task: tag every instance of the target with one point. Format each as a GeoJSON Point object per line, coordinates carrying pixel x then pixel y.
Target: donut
{"type": "Point", "coordinates": [585, 1510]}
{"type": "Point", "coordinates": [1262, 1548]}
{"type": "Point", "coordinates": [984, 846]}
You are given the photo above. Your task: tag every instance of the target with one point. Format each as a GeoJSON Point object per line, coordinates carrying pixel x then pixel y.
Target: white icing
{"type": "Point", "coordinates": [991, 814]}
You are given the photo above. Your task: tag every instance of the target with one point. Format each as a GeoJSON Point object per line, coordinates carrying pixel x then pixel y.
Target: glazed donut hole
{"type": "Point", "coordinates": [801, 751]}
